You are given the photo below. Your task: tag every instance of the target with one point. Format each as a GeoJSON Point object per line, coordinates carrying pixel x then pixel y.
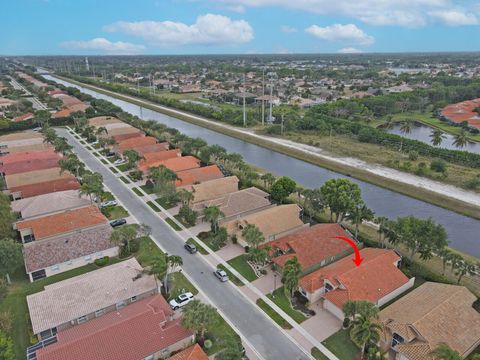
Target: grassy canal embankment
{"type": "Point", "coordinates": [397, 186]}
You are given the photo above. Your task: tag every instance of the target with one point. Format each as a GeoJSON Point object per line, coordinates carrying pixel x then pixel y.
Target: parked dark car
{"type": "Point", "coordinates": [192, 249]}
{"type": "Point", "coordinates": [118, 222]}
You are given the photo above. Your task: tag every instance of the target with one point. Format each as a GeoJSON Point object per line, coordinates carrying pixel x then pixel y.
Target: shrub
{"type": "Point", "coordinates": [102, 261]}
{"type": "Point", "coordinates": [413, 155]}
{"type": "Point", "coordinates": [187, 215]}
{"type": "Point", "coordinates": [346, 323]}
{"type": "Point", "coordinates": [3, 288]}
{"type": "Point", "coordinates": [208, 344]}
{"type": "Point", "coordinates": [438, 166]}
{"type": "Point", "coordinates": [473, 184]}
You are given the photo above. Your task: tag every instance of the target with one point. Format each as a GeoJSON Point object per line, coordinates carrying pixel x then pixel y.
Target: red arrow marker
{"type": "Point", "coordinates": [358, 259]}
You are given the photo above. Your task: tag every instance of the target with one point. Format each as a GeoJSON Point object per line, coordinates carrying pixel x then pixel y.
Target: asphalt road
{"type": "Point", "coordinates": [266, 338]}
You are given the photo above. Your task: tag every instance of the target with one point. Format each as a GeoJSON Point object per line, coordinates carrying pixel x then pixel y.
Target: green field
{"type": "Point", "coordinates": [240, 264]}
{"type": "Point", "coordinates": [273, 315]}
{"type": "Point", "coordinates": [281, 300]}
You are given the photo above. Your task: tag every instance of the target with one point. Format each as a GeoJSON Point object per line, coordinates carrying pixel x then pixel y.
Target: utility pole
{"type": "Point", "coordinates": [263, 94]}
{"type": "Point", "coordinates": [283, 113]}
{"type": "Point", "coordinates": [244, 110]}
{"type": "Point", "coordinates": [271, 103]}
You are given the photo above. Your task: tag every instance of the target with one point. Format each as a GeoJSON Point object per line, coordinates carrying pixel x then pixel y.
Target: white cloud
{"type": "Point", "coordinates": [348, 33]}
{"type": "Point", "coordinates": [454, 17]}
{"type": "Point", "coordinates": [209, 29]}
{"type": "Point", "coordinates": [408, 13]}
{"type": "Point", "coordinates": [349, 50]}
{"type": "Point", "coordinates": [288, 29]}
{"type": "Point", "coordinates": [104, 45]}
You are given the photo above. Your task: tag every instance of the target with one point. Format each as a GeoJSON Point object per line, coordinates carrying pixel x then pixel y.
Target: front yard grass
{"type": "Point", "coordinates": [173, 225]}
{"type": "Point", "coordinates": [105, 162]}
{"type": "Point", "coordinates": [281, 300]}
{"type": "Point", "coordinates": [179, 284]}
{"type": "Point", "coordinates": [273, 315]}
{"type": "Point", "coordinates": [341, 345]}
{"type": "Point", "coordinates": [147, 189]}
{"type": "Point", "coordinates": [240, 264]}
{"type": "Point", "coordinates": [137, 191]}
{"type": "Point", "coordinates": [115, 212]}
{"type": "Point", "coordinates": [231, 277]}
{"type": "Point", "coordinates": [115, 171]}
{"type": "Point", "coordinates": [167, 203]}
{"type": "Point", "coordinates": [148, 251]}
{"type": "Point", "coordinates": [153, 206]}
{"type": "Point", "coordinates": [317, 354]}
{"type": "Point", "coordinates": [124, 179]}
{"type": "Point", "coordinates": [123, 167]}
{"type": "Point", "coordinates": [219, 333]}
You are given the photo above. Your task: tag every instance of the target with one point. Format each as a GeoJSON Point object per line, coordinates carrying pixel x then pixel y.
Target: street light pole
{"type": "Point", "coordinates": [274, 284]}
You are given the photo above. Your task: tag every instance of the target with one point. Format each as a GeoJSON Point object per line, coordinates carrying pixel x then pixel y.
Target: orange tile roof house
{"type": "Point", "coordinates": [28, 165]}
{"type": "Point", "coordinates": [131, 135]}
{"type": "Point", "coordinates": [59, 224]}
{"type": "Point", "coordinates": [148, 149]}
{"type": "Point", "coordinates": [213, 189]}
{"type": "Point", "coordinates": [62, 253]}
{"type": "Point", "coordinates": [273, 222]}
{"type": "Point", "coordinates": [194, 352]}
{"type": "Point", "coordinates": [127, 144]}
{"type": "Point", "coordinates": [198, 175]}
{"type": "Point", "coordinates": [103, 120]}
{"type": "Point", "coordinates": [377, 280]}
{"type": "Point", "coordinates": [175, 164]}
{"type": "Point", "coordinates": [85, 297]}
{"type": "Point", "coordinates": [24, 148]}
{"type": "Point", "coordinates": [28, 155]}
{"type": "Point", "coordinates": [142, 330]}
{"type": "Point", "coordinates": [314, 247]}
{"type": "Point", "coordinates": [432, 314]}
{"type": "Point", "coordinates": [153, 158]}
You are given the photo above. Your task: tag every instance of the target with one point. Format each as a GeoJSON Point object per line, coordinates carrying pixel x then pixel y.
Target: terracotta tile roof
{"type": "Point", "coordinates": [24, 117]}
{"type": "Point", "coordinates": [153, 158]}
{"type": "Point", "coordinates": [312, 245]}
{"type": "Point", "coordinates": [28, 155]}
{"type": "Point", "coordinates": [148, 149]}
{"type": "Point", "coordinates": [47, 187]}
{"type": "Point", "coordinates": [22, 142]}
{"type": "Point", "coordinates": [463, 111]}
{"type": "Point", "coordinates": [194, 352]}
{"type": "Point", "coordinates": [134, 332]}
{"type": "Point", "coordinates": [213, 189]}
{"type": "Point", "coordinates": [29, 165]}
{"type": "Point", "coordinates": [49, 203]}
{"type": "Point", "coordinates": [130, 135]}
{"type": "Point", "coordinates": [175, 164]}
{"type": "Point", "coordinates": [103, 120]}
{"type": "Point", "coordinates": [124, 131]}
{"type": "Point", "coordinates": [23, 135]}
{"type": "Point", "coordinates": [126, 144]}
{"type": "Point", "coordinates": [376, 277]}
{"type": "Point", "coordinates": [69, 299]}
{"type": "Point", "coordinates": [65, 222]}
{"type": "Point", "coordinates": [35, 177]}
{"type": "Point", "coordinates": [237, 203]}
{"type": "Point", "coordinates": [198, 175]}
{"type": "Point", "coordinates": [272, 222]}
{"type": "Point", "coordinates": [43, 254]}
{"type": "Point", "coordinates": [431, 314]}
{"type": "Point", "coordinates": [25, 148]}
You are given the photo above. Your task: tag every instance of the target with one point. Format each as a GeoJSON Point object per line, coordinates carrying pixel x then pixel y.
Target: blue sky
{"type": "Point", "coordinates": [237, 26]}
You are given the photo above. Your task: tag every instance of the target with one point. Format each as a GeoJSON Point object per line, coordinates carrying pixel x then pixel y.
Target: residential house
{"type": "Point", "coordinates": [273, 222]}
{"type": "Point", "coordinates": [128, 144]}
{"type": "Point", "coordinates": [130, 135]}
{"type": "Point", "coordinates": [152, 158]}
{"type": "Point", "coordinates": [124, 131]}
{"type": "Point", "coordinates": [378, 280]}
{"type": "Point", "coordinates": [143, 150]}
{"type": "Point", "coordinates": [39, 182]}
{"type": "Point", "coordinates": [24, 148]}
{"type": "Point", "coordinates": [47, 204]}
{"type": "Point", "coordinates": [174, 164]}
{"type": "Point", "coordinates": [28, 155]}
{"type": "Point", "coordinates": [60, 224]}
{"type": "Point", "coordinates": [144, 330]}
{"type": "Point", "coordinates": [82, 298]}
{"type": "Point", "coordinates": [21, 139]}
{"type": "Point", "coordinates": [70, 109]}
{"type": "Point", "coordinates": [213, 189]}
{"type": "Point", "coordinates": [24, 117]}
{"type": "Point", "coordinates": [198, 175]}
{"type": "Point", "coordinates": [62, 253]}
{"type": "Point", "coordinates": [20, 167]}
{"type": "Point", "coordinates": [314, 247]}
{"type": "Point", "coordinates": [430, 315]}
{"type": "Point", "coordinates": [99, 121]}
{"type": "Point", "coordinates": [193, 352]}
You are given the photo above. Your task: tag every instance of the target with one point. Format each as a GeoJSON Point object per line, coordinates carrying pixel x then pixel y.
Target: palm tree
{"type": "Point", "coordinates": [358, 215]}
{"type": "Point", "coordinates": [268, 180]}
{"type": "Point", "coordinates": [445, 254]}
{"type": "Point", "coordinates": [382, 222]}
{"type": "Point", "coordinates": [352, 309]}
{"type": "Point", "coordinates": [455, 261]}
{"type": "Point", "coordinates": [185, 196]}
{"type": "Point", "coordinates": [132, 157]}
{"type": "Point", "coordinates": [290, 275]}
{"type": "Point", "coordinates": [164, 180]}
{"type": "Point", "coordinates": [49, 136]}
{"type": "Point", "coordinates": [405, 128]}
{"type": "Point", "coordinates": [172, 261]}
{"type": "Point", "coordinates": [466, 267]}
{"type": "Point", "coordinates": [62, 146]}
{"type": "Point", "coordinates": [461, 139]}
{"type": "Point", "coordinates": [101, 130]}
{"type": "Point", "coordinates": [92, 185]}
{"type": "Point", "coordinates": [123, 237]}
{"type": "Point", "coordinates": [252, 235]}
{"type": "Point", "coordinates": [157, 268]}
{"type": "Point", "coordinates": [71, 164]}
{"type": "Point", "coordinates": [212, 214]}
{"type": "Point", "coordinates": [199, 317]}
{"type": "Point", "coordinates": [389, 123]}
{"type": "Point", "coordinates": [365, 332]}
{"type": "Point", "coordinates": [437, 136]}
{"type": "Point", "coordinates": [444, 352]}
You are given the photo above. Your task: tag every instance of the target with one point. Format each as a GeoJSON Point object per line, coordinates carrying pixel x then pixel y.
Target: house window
{"type": "Point", "coordinates": [99, 312]}
{"type": "Point", "coordinates": [133, 299]}
{"type": "Point", "coordinates": [48, 333]}
{"type": "Point", "coordinates": [28, 238]}
{"type": "Point", "coordinates": [328, 287]}
{"type": "Point", "coordinates": [396, 339]}
{"type": "Point", "coordinates": [121, 304]}
{"type": "Point", "coordinates": [40, 274]}
{"type": "Point", "coordinates": [82, 319]}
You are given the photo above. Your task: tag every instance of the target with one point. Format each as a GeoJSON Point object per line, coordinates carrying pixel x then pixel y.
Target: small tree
{"type": "Point", "coordinates": [187, 215]}
{"type": "Point", "coordinates": [290, 276]}
{"type": "Point", "coordinates": [199, 317]}
{"type": "Point", "coordinates": [268, 179]}
{"type": "Point", "coordinates": [132, 157]}
{"type": "Point", "coordinates": [358, 215]}
{"type": "Point", "coordinates": [185, 196]}
{"type": "Point", "coordinates": [466, 267]}
{"type": "Point", "coordinates": [282, 188]}
{"type": "Point", "coordinates": [212, 214]}
{"type": "Point", "coordinates": [72, 164]}
{"type": "Point", "coordinates": [252, 235]}
{"type": "Point", "coordinates": [11, 258]}
{"type": "Point", "coordinates": [123, 237]}
{"type": "Point", "coordinates": [365, 332]}
{"type": "Point", "coordinates": [341, 196]}
{"type": "Point", "coordinates": [92, 185]}
{"type": "Point", "coordinates": [172, 261]}
{"type": "Point", "coordinates": [7, 351]}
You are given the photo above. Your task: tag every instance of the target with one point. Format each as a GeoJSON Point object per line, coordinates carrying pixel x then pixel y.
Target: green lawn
{"type": "Point", "coordinates": [105, 162]}
{"type": "Point", "coordinates": [147, 251]}
{"type": "Point", "coordinates": [273, 314]}
{"type": "Point", "coordinates": [231, 277]}
{"type": "Point", "coordinates": [317, 354]}
{"type": "Point", "coordinates": [167, 203]}
{"type": "Point", "coordinates": [125, 180]}
{"type": "Point", "coordinates": [240, 264]}
{"type": "Point", "coordinates": [115, 212]}
{"type": "Point", "coordinates": [123, 167]}
{"type": "Point", "coordinates": [200, 249]}
{"type": "Point", "coordinates": [284, 303]}
{"type": "Point", "coordinates": [180, 220]}
{"type": "Point", "coordinates": [341, 345]}
{"type": "Point", "coordinates": [112, 169]}
{"type": "Point", "coordinates": [173, 224]}
{"type": "Point", "coordinates": [180, 284]}
{"type": "Point", "coordinates": [137, 191]}
{"type": "Point", "coordinates": [207, 238]}
{"type": "Point", "coordinates": [218, 334]}
{"type": "Point", "coordinates": [147, 189]}
{"type": "Point", "coordinates": [107, 196]}
{"type": "Point", "coordinates": [153, 206]}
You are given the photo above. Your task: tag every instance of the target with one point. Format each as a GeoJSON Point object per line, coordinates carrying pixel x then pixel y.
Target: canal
{"type": "Point", "coordinates": [463, 231]}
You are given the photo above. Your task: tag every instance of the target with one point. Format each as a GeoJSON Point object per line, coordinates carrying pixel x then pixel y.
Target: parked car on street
{"type": "Point", "coordinates": [109, 203]}
{"type": "Point", "coordinates": [181, 300]}
{"type": "Point", "coordinates": [192, 249]}
{"type": "Point", "coordinates": [221, 275]}
{"type": "Point", "coordinates": [118, 222]}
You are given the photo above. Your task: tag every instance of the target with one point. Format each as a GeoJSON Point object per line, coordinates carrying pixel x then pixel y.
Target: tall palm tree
{"type": "Point", "coordinates": [358, 215]}
{"type": "Point", "coordinates": [252, 235]}
{"type": "Point", "coordinates": [365, 332]}
{"type": "Point", "coordinates": [185, 196]}
{"type": "Point", "coordinates": [444, 352]}
{"type": "Point", "coordinates": [437, 136]}
{"type": "Point", "coordinates": [461, 139]}
{"type": "Point", "coordinates": [101, 130]}
{"type": "Point", "coordinates": [290, 275]}
{"type": "Point", "coordinates": [445, 254]}
{"type": "Point", "coordinates": [71, 164]}
{"type": "Point", "coordinates": [212, 214]}
{"type": "Point", "coordinates": [268, 180]}
{"type": "Point", "coordinates": [172, 261]}
{"type": "Point", "coordinates": [406, 128]}
{"type": "Point", "coordinates": [382, 222]}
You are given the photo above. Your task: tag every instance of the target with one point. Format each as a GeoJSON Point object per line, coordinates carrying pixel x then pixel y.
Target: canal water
{"type": "Point", "coordinates": [463, 232]}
